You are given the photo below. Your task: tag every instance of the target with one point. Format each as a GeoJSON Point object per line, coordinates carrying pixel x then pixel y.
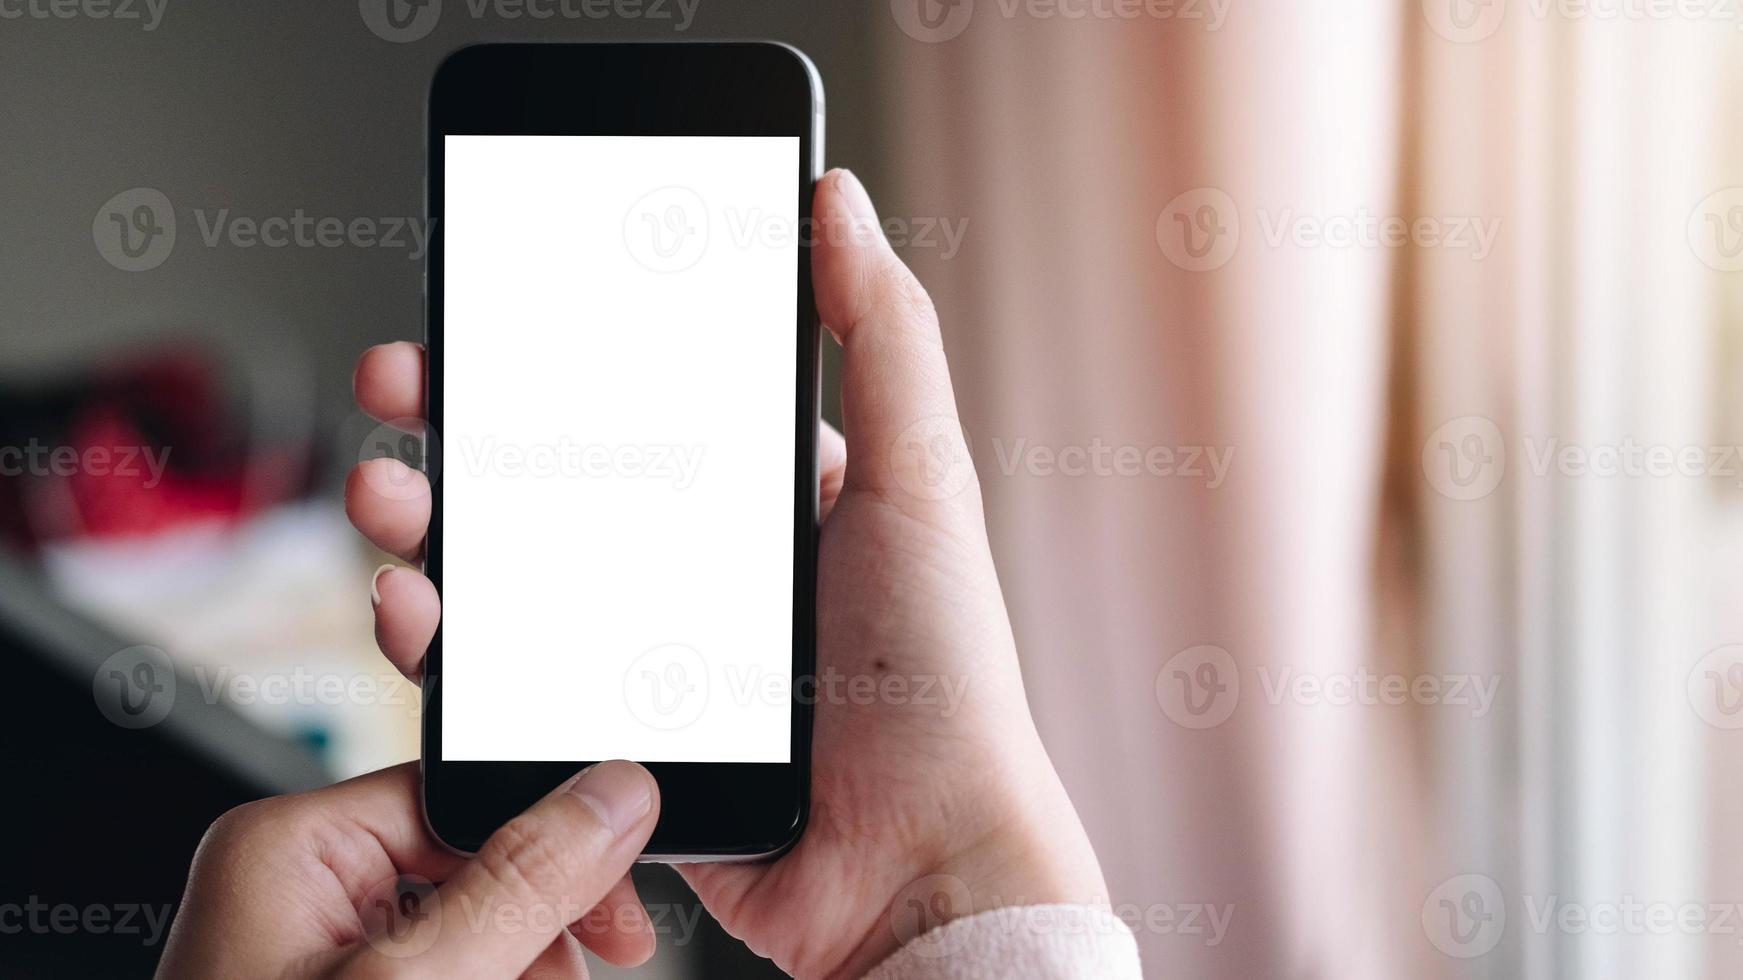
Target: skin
{"type": "Point", "coordinates": [914, 805]}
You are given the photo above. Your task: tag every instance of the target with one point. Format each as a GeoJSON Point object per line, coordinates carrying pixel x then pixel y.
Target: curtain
{"type": "Point", "coordinates": [1389, 263]}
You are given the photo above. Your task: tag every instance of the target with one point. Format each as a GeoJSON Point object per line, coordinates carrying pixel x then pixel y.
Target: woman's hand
{"type": "Point", "coordinates": [336, 883]}
{"type": "Point", "coordinates": [932, 796]}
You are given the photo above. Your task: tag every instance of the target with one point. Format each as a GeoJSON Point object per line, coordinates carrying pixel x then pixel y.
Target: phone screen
{"type": "Point", "coordinates": [617, 454]}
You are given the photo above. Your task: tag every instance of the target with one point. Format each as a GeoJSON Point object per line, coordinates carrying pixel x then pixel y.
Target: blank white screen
{"type": "Point", "coordinates": [617, 454]}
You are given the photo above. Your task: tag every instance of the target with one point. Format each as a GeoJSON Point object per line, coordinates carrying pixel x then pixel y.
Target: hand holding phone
{"type": "Point", "coordinates": [927, 806]}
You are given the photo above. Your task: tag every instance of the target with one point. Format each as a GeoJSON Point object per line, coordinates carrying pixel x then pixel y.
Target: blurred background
{"type": "Point", "coordinates": [1355, 389]}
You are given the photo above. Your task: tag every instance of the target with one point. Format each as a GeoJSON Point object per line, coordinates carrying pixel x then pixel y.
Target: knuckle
{"type": "Point", "coordinates": [245, 831]}
{"type": "Point", "coordinates": [239, 824]}
{"type": "Point", "coordinates": [902, 294]}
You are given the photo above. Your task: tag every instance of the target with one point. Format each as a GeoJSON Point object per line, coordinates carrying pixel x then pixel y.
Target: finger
{"type": "Point", "coordinates": [407, 609]}
{"type": "Point", "coordinates": [831, 465]}
{"type": "Point", "coordinates": [896, 394]}
{"type": "Point", "coordinates": [540, 872]}
{"type": "Point", "coordinates": [389, 502]}
{"type": "Point", "coordinates": [618, 929]}
{"type": "Point", "coordinates": [389, 381]}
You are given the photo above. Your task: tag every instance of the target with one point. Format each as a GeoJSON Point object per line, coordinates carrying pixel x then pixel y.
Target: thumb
{"type": "Point", "coordinates": [898, 409]}
{"type": "Point", "coordinates": [543, 870]}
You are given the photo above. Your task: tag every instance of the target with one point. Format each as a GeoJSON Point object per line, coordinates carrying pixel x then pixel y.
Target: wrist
{"type": "Point", "coordinates": [1001, 850]}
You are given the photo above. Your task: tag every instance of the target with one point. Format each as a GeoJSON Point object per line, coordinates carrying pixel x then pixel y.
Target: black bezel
{"type": "Point", "coordinates": [657, 89]}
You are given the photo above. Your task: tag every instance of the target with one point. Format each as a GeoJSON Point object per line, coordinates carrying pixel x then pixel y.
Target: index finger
{"type": "Point", "coordinates": [389, 381]}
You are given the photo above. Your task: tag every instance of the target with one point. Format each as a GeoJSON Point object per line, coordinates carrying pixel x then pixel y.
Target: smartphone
{"type": "Point", "coordinates": [623, 408]}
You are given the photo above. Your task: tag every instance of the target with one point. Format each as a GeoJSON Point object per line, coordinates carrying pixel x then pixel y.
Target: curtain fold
{"type": "Point", "coordinates": [1165, 248]}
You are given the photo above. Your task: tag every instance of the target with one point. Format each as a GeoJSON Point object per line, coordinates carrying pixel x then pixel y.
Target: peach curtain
{"type": "Point", "coordinates": [1152, 258]}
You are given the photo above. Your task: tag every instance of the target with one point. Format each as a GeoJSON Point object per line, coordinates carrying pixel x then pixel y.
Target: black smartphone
{"type": "Point", "coordinates": [623, 407]}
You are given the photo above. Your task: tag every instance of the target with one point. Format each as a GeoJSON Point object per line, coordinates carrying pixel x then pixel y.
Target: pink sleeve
{"type": "Point", "coordinates": [1031, 942]}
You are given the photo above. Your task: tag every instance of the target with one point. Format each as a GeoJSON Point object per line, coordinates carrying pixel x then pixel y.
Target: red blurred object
{"type": "Point", "coordinates": [138, 449]}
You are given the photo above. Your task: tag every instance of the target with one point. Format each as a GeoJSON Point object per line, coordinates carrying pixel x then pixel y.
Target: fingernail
{"type": "Point", "coordinates": [375, 593]}
{"type": "Point", "coordinates": [859, 203]}
{"type": "Point", "coordinates": [621, 793]}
